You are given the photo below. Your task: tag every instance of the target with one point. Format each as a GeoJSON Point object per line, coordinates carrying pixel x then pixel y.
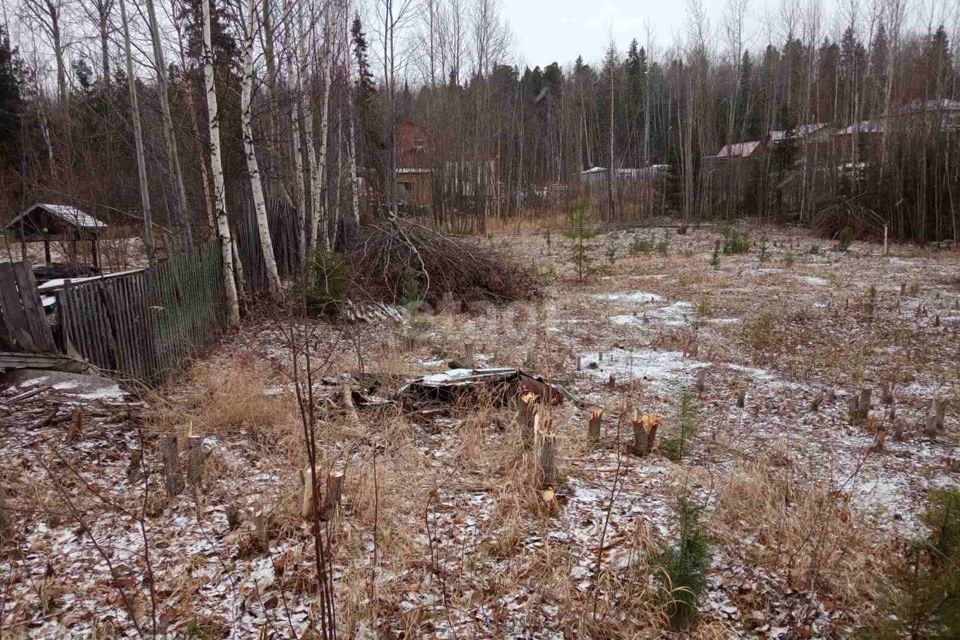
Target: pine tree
{"type": "Point", "coordinates": [748, 117]}
{"type": "Point", "coordinates": [10, 99]}
{"type": "Point", "coordinates": [365, 85]}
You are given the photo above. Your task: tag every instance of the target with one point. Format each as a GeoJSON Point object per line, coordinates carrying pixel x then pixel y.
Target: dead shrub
{"type": "Point", "coordinates": [401, 262]}
{"type": "Point", "coordinates": [804, 530]}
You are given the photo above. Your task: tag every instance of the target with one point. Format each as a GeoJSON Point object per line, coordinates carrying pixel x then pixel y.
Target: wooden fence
{"type": "Point", "coordinates": [145, 324]}
{"type": "Point", "coordinates": [282, 219]}
{"type": "Point", "coordinates": [23, 324]}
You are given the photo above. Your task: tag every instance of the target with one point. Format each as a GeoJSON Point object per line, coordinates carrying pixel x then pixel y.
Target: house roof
{"type": "Point", "coordinates": [933, 104]}
{"type": "Point", "coordinates": [65, 213]}
{"type": "Point", "coordinates": [739, 149]}
{"type": "Point", "coordinates": [801, 131]}
{"type": "Point", "coordinates": [864, 126]}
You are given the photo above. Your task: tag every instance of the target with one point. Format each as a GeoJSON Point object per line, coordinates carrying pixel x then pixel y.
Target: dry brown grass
{"type": "Point", "coordinates": [804, 531]}
{"type": "Point", "coordinates": [218, 397]}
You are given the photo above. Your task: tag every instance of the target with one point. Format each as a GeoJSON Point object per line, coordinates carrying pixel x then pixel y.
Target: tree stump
{"type": "Point", "coordinates": [701, 381]}
{"type": "Point", "coordinates": [306, 503]}
{"type": "Point", "coordinates": [935, 416]}
{"type": "Point", "coordinates": [816, 402]}
{"type": "Point", "coordinates": [527, 408]}
{"type": "Point", "coordinates": [261, 525]}
{"type": "Point", "coordinates": [75, 431]}
{"type": "Point", "coordinates": [593, 426]}
{"type": "Point", "coordinates": [545, 448]}
{"type": "Point", "coordinates": [886, 392]}
{"type": "Point", "coordinates": [880, 440]}
{"type": "Point", "coordinates": [858, 407]}
{"type": "Point", "coordinates": [136, 461]}
{"type": "Point", "coordinates": [233, 517]}
{"type": "Point", "coordinates": [172, 472]}
{"type": "Point", "coordinates": [741, 399]}
{"type": "Point", "coordinates": [864, 403]}
{"type": "Point", "coordinates": [645, 433]}
{"type": "Point", "coordinates": [331, 501]}
{"type": "Point", "coordinates": [6, 520]}
{"type": "Point", "coordinates": [196, 460]}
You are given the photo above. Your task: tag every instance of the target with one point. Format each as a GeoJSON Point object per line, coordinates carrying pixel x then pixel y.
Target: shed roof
{"type": "Point", "coordinates": [740, 149]}
{"type": "Point", "coordinates": [64, 213]}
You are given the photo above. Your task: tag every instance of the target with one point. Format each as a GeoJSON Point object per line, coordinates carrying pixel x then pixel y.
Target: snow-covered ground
{"type": "Point", "coordinates": [463, 546]}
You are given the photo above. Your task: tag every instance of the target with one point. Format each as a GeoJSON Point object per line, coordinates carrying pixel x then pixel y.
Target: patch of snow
{"type": "Point", "coordinates": [32, 382]}
{"type": "Point", "coordinates": [637, 297]}
{"type": "Point", "coordinates": [663, 369]}
{"type": "Point", "coordinates": [66, 385]}
{"type": "Point", "coordinates": [678, 314]}
{"type": "Point", "coordinates": [104, 393]}
{"type": "Point", "coordinates": [763, 376]}
{"type": "Point", "coordinates": [814, 280]}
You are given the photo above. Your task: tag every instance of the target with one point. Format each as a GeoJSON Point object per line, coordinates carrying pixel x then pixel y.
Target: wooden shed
{"type": "Point", "coordinates": [58, 223]}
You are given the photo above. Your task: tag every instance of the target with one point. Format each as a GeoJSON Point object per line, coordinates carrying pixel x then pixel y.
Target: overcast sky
{"type": "Point", "coordinates": [558, 30]}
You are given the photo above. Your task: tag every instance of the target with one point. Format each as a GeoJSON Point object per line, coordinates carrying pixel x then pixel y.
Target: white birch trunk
{"type": "Point", "coordinates": [138, 139]}
{"type": "Point", "coordinates": [322, 222]}
{"type": "Point", "coordinates": [293, 71]}
{"type": "Point", "coordinates": [354, 178]}
{"type": "Point", "coordinates": [253, 167]}
{"type": "Point", "coordinates": [216, 166]}
{"type": "Point", "coordinates": [313, 211]}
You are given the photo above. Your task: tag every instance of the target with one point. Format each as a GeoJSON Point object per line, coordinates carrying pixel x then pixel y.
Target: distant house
{"type": "Point", "coordinates": [598, 175]}
{"type": "Point", "coordinates": [58, 223]}
{"type": "Point", "coordinates": [942, 112]}
{"type": "Point", "coordinates": [411, 145]}
{"type": "Point", "coordinates": [427, 179]}
{"type": "Point", "coordinates": [742, 150]}
{"type": "Point", "coordinates": [414, 173]}
{"type": "Point", "coordinates": [811, 133]}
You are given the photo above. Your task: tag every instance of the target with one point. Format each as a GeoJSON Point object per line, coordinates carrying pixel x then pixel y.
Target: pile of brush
{"type": "Point", "coordinates": [401, 262]}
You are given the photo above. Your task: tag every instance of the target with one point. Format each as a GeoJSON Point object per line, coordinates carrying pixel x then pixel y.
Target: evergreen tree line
{"type": "Point", "coordinates": [330, 82]}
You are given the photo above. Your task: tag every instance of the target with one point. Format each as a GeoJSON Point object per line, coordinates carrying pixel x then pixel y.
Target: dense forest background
{"type": "Point", "coordinates": [855, 111]}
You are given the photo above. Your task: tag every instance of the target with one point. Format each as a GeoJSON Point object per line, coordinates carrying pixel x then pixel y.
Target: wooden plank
{"type": "Point", "coordinates": [30, 299]}
{"type": "Point", "coordinates": [17, 322]}
{"type": "Point", "coordinates": [17, 360]}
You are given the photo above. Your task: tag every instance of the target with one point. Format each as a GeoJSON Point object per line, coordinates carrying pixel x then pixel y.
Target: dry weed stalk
{"type": "Point", "coordinates": [299, 339]}
{"type": "Point", "coordinates": [806, 530]}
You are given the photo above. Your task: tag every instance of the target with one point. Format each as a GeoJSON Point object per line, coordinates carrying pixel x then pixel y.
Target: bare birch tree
{"type": "Point", "coordinates": [216, 165]}
{"type": "Point", "coordinates": [248, 26]}
{"type": "Point", "coordinates": [295, 87]}
{"type": "Point", "coordinates": [321, 222]}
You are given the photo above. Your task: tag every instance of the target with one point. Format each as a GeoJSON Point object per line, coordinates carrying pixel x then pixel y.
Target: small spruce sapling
{"type": "Point", "coordinates": [684, 566]}
{"type": "Point", "coordinates": [663, 245]}
{"type": "Point", "coordinates": [764, 250]}
{"type": "Point", "coordinates": [715, 258]}
{"type": "Point", "coordinates": [580, 229]}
